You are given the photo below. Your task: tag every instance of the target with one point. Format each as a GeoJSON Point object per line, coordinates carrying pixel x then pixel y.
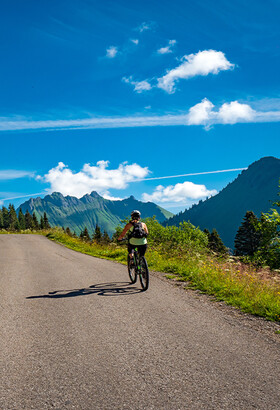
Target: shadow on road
{"type": "Point", "coordinates": [100, 289]}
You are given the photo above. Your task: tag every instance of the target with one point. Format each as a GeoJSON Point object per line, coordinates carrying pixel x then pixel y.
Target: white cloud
{"type": "Point", "coordinates": [200, 113]}
{"type": "Point", "coordinates": [93, 178]}
{"type": "Point", "coordinates": [167, 49]}
{"type": "Point", "coordinates": [201, 63]}
{"type": "Point", "coordinates": [139, 86]}
{"type": "Point", "coordinates": [229, 113]}
{"type": "Point", "coordinates": [233, 112]}
{"type": "Point", "coordinates": [134, 41]}
{"type": "Point", "coordinates": [111, 52]}
{"type": "Point", "coordinates": [144, 27]}
{"type": "Point", "coordinates": [179, 193]}
{"type": "Point", "coordinates": [112, 198]}
{"type": "Point", "coordinates": [15, 174]}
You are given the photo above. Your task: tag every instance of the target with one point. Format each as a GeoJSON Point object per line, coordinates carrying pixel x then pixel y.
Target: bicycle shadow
{"type": "Point", "coordinates": [99, 289]}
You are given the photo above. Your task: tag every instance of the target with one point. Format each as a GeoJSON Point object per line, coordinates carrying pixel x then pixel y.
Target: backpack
{"type": "Point", "coordinates": [138, 231]}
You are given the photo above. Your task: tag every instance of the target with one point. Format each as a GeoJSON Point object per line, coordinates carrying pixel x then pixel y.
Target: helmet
{"type": "Point", "coordinates": [135, 214]}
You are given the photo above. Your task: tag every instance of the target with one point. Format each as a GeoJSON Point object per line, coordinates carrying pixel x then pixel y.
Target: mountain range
{"type": "Point", "coordinates": [90, 210]}
{"type": "Point", "coordinates": [255, 189]}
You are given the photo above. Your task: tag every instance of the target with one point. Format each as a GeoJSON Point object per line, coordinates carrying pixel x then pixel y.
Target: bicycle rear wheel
{"type": "Point", "coordinates": [144, 273]}
{"type": "Point", "coordinates": [131, 269]}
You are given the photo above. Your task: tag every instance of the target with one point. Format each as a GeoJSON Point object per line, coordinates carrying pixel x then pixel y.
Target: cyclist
{"type": "Point", "coordinates": [137, 234]}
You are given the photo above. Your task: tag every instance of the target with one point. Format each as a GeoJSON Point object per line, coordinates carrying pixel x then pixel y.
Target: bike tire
{"type": "Point", "coordinates": [144, 275]}
{"type": "Point", "coordinates": [131, 270]}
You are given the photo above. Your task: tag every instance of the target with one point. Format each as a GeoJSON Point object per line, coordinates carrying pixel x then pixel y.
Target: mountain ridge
{"type": "Point", "coordinates": [254, 189]}
{"type": "Point", "coordinates": [90, 210]}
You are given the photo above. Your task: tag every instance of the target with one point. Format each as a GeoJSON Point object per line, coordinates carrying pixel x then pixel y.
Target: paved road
{"type": "Point", "coordinates": [76, 335]}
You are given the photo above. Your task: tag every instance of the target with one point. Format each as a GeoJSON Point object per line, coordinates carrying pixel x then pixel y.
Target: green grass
{"type": "Point", "coordinates": [111, 252]}
{"type": "Point", "coordinates": [246, 290]}
{"type": "Point", "coordinates": [25, 232]}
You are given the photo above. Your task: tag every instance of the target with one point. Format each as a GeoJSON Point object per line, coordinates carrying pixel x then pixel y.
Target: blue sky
{"type": "Point", "coordinates": [105, 96]}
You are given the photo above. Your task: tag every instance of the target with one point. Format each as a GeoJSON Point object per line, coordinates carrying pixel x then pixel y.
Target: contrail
{"type": "Point", "coordinates": [22, 196]}
{"type": "Point", "coordinates": [188, 175]}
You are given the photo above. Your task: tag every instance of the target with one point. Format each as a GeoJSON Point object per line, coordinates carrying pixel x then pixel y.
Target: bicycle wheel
{"type": "Point", "coordinates": [131, 269]}
{"type": "Point", "coordinates": [144, 273]}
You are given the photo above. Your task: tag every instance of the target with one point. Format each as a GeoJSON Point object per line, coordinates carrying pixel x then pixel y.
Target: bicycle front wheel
{"type": "Point", "coordinates": [131, 269]}
{"type": "Point", "coordinates": [144, 273]}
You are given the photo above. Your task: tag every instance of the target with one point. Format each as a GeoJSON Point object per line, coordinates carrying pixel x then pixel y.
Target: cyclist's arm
{"type": "Point", "coordinates": [145, 228]}
{"type": "Point", "coordinates": [126, 228]}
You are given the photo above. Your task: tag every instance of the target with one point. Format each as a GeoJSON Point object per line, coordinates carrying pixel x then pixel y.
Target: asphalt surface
{"type": "Point", "coordinates": [76, 335]}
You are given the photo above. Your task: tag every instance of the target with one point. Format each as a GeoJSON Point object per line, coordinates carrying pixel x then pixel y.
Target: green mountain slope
{"type": "Point", "coordinates": [253, 190]}
{"type": "Point", "coordinates": [90, 210]}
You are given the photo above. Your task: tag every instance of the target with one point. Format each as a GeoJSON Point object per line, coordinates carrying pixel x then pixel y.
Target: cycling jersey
{"type": "Point", "coordinates": [136, 241]}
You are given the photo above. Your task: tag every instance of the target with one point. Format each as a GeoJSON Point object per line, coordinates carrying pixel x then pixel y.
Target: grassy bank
{"type": "Point", "coordinates": [253, 292]}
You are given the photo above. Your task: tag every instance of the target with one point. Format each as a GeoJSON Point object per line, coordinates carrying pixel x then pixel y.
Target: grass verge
{"type": "Point", "coordinates": [247, 289]}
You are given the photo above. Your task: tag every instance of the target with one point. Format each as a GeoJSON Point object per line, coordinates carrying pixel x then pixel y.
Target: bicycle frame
{"type": "Point", "coordinates": [136, 259]}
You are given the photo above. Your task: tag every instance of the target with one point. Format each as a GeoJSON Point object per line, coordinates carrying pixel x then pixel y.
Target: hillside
{"type": "Point", "coordinates": [90, 210]}
{"type": "Point", "coordinates": [253, 190]}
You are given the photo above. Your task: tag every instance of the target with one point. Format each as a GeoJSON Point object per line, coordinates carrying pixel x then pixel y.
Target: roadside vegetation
{"type": "Point", "coordinates": [258, 239]}
{"type": "Point", "coordinates": [183, 253]}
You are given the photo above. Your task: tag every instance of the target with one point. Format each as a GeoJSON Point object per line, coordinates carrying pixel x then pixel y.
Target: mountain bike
{"type": "Point", "coordinates": [137, 266]}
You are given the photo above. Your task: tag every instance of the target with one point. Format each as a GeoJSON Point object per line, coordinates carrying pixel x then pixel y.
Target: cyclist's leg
{"type": "Point", "coordinates": [144, 271]}
{"type": "Point", "coordinates": [130, 249]}
{"type": "Point", "coordinates": [142, 249]}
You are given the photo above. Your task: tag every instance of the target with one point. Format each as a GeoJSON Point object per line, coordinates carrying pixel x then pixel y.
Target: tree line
{"type": "Point", "coordinates": [98, 236]}
{"type": "Point", "coordinates": [10, 221]}
{"type": "Point", "coordinates": [258, 239]}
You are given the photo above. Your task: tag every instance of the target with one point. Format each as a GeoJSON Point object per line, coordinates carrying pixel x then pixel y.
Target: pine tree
{"type": "Point", "coordinates": [1, 219]}
{"type": "Point", "coordinates": [97, 236]}
{"type": "Point", "coordinates": [248, 237]}
{"type": "Point", "coordinates": [13, 219]}
{"type": "Point", "coordinates": [6, 218]}
{"type": "Point", "coordinates": [41, 223]}
{"type": "Point", "coordinates": [85, 235]}
{"type": "Point", "coordinates": [46, 222]}
{"type": "Point", "coordinates": [277, 203]}
{"type": "Point", "coordinates": [68, 231]}
{"type": "Point", "coordinates": [35, 221]}
{"type": "Point", "coordinates": [207, 232]}
{"type": "Point", "coordinates": [106, 238]}
{"type": "Point", "coordinates": [21, 220]}
{"type": "Point", "coordinates": [215, 243]}
{"type": "Point", "coordinates": [28, 220]}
